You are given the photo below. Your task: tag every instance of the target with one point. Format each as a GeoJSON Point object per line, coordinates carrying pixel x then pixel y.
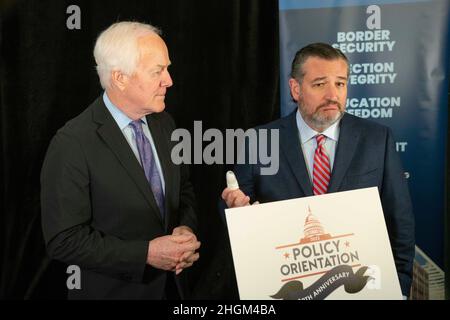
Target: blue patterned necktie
{"type": "Point", "coordinates": [148, 163]}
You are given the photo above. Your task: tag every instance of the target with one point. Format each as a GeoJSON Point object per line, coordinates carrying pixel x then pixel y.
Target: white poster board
{"type": "Point", "coordinates": [333, 246]}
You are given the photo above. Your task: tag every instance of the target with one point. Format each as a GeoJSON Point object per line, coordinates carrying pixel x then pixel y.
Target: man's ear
{"type": "Point", "coordinates": [295, 89]}
{"type": "Point", "coordinates": [119, 79]}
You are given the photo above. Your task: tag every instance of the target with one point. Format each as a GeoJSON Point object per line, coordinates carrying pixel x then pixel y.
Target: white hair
{"type": "Point", "coordinates": [117, 48]}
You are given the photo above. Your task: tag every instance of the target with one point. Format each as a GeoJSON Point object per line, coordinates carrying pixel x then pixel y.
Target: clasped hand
{"type": "Point", "coordinates": [174, 252]}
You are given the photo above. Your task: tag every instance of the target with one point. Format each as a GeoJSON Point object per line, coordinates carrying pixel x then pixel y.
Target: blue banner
{"type": "Point", "coordinates": [399, 56]}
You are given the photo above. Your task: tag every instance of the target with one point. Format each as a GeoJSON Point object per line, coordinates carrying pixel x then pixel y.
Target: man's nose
{"type": "Point", "coordinates": [167, 79]}
{"type": "Point", "coordinates": [332, 93]}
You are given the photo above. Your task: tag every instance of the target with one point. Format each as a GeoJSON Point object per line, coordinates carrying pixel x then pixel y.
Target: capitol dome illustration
{"type": "Point", "coordinates": [313, 229]}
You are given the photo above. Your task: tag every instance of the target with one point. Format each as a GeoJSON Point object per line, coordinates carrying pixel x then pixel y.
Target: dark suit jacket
{"type": "Point", "coordinates": [98, 210]}
{"type": "Point", "coordinates": [365, 157]}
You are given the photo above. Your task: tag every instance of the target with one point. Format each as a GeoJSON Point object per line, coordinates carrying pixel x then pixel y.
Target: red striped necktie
{"type": "Point", "coordinates": [322, 168]}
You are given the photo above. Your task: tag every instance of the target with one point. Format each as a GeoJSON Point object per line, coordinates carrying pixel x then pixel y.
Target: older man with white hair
{"type": "Point", "coordinates": [112, 201]}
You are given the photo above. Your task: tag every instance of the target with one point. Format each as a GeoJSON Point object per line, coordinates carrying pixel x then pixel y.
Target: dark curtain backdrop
{"type": "Point", "coordinates": [225, 69]}
{"type": "Point", "coordinates": [225, 57]}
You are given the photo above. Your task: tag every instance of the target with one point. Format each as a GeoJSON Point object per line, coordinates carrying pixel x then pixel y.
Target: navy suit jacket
{"type": "Point", "coordinates": [365, 157]}
{"type": "Point", "coordinates": [99, 212]}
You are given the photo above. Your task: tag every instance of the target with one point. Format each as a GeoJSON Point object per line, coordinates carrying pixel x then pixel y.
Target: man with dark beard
{"type": "Point", "coordinates": [325, 150]}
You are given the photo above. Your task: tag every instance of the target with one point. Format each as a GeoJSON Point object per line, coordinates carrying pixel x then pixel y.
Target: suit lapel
{"type": "Point", "coordinates": [346, 147]}
{"type": "Point", "coordinates": [167, 166]}
{"type": "Point", "coordinates": [290, 144]}
{"type": "Point", "coordinates": [113, 137]}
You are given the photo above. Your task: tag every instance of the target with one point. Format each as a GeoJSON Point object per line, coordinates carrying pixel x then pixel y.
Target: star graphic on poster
{"type": "Point", "coordinates": [347, 244]}
{"type": "Point", "coordinates": [286, 255]}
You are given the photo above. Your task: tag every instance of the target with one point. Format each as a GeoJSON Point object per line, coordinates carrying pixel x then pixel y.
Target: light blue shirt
{"type": "Point", "coordinates": [123, 122]}
{"type": "Point", "coordinates": [309, 142]}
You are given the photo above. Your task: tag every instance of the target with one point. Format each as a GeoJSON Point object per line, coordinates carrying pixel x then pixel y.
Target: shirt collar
{"type": "Point", "coordinates": [307, 133]}
{"type": "Point", "coordinates": [121, 118]}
